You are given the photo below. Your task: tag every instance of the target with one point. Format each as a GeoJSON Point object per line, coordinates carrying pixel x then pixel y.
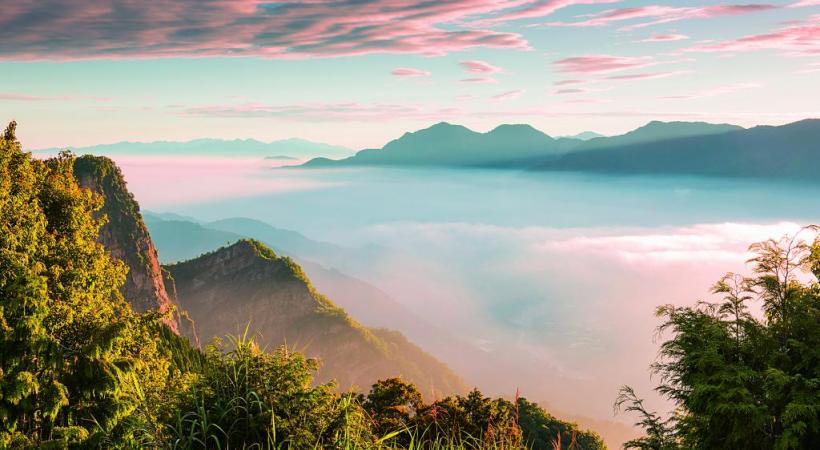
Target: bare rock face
{"type": "Point", "coordinates": [126, 236]}
{"type": "Point", "coordinates": [246, 286]}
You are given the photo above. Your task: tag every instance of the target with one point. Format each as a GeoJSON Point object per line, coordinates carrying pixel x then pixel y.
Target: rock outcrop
{"type": "Point", "coordinates": [126, 237]}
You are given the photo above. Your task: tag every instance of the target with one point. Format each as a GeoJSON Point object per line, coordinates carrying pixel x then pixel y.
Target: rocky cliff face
{"type": "Point", "coordinates": [126, 236]}
{"type": "Point", "coordinates": [248, 285]}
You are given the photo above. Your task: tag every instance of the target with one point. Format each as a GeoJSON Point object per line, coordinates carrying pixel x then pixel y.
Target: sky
{"type": "Point", "coordinates": [359, 73]}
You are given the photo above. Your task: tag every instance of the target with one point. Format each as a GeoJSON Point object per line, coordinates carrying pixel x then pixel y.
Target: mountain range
{"type": "Point", "coordinates": [789, 151]}
{"type": "Point", "coordinates": [285, 150]}
{"type": "Point", "coordinates": [693, 148]}
{"type": "Point", "coordinates": [445, 144]}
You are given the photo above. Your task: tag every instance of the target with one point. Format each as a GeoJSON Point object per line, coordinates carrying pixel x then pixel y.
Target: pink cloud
{"type": "Point", "coordinates": [479, 80]}
{"type": "Point", "coordinates": [720, 90]}
{"type": "Point", "coordinates": [110, 29]}
{"type": "Point", "coordinates": [567, 82]}
{"type": "Point", "coordinates": [571, 91]}
{"type": "Point", "coordinates": [509, 95]}
{"type": "Point", "coordinates": [409, 72]}
{"type": "Point", "coordinates": [476, 66]}
{"type": "Point", "coordinates": [800, 39]}
{"type": "Point", "coordinates": [659, 14]}
{"type": "Point", "coordinates": [320, 112]}
{"type": "Point", "coordinates": [644, 76]}
{"type": "Point", "coordinates": [665, 38]}
{"type": "Point", "coordinates": [539, 8]}
{"type": "Point", "coordinates": [600, 63]}
{"type": "Point", "coordinates": [805, 3]}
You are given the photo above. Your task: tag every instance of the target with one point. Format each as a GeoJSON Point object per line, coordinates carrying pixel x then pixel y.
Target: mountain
{"type": "Point", "coordinates": [585, 136]}
{"type": "Point", "coordinates": [445, 144]}
{"type": "Point", "coordinates": [658, 131]}
{"type": "Point", "coordinates": [789, 151]}
{"type": "Point", "coordinates": [247, 284]}
{"type": "Point", "coordinates": [291, 242]}
{"type": "Point", "coordinates": [288, 148]}
{"type": "Point", "coordinates": [505, 146]}
{"type": "Point", "coordinates": [180, 240]}
{"type": "Point", "coordinates": [125, 235]}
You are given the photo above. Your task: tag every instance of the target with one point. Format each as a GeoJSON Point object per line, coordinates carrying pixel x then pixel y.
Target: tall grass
{"type": "Point", "coordinates": [243, 397]}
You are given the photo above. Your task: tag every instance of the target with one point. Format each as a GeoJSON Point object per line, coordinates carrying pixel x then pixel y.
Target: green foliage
{"type": "Point", "coordinates": [80, 369]}
{"type": "Point", "coordinates": [73, 353]}
{"type": "Point", "coordinates": [739, 381]}
{"type": "Point", "coordinates": [542, 430]}
{"type": "Point", "coordinates": [246, 397]}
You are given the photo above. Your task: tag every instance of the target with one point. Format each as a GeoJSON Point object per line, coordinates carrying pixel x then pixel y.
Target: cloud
{"type": "Point", "coordinates": [810, 68]}
{"type": "Point", "coordinates": [644, 76]}
{"type": "Point", "coordinates": [800, 39]}
{"type": "Point", "coordinates": [509, 95]}
{"type": "Point", "coordinates": [805, 3]}
{"type": "Point", "coordinates": [720, 90]}
{"type": "Point", "coordinates": [665, 38]}
{"type": "Point", "coordinates": [571, 91]}
{"type": "Point", "coordinates": [479, 80]}
{"type": "Point", "coordinates": [567, 82]}
{"type": "Point", "coordinates": [704, 242]}
{"type": "Point", "coordinates": [19, 97]}
{"type": "Point", "coordinates": [535, 9]}
{"type": "Point", "coordinates": [600, 63]}
{"type": "Point", "coordinates": [409, 72]}
{"type": "Point", "coordinates": [476, 66]}
{"type": "Point", "coordinates": [320, 112]}
{"type": "Point", "coordinates": [111, 29]}
{"type": "Point", "coordinates": [658, 14]}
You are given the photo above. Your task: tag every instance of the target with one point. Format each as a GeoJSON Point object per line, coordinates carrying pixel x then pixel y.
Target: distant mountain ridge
{"type": "Point", "coordinates": [657, 131]}
{"type": "Point", "coordinates": [287, 148]}
{"type": "Point", "coordinates": [445, 144]}
{"type": "Point", "coordinates": [584, 136]}
{"type": "Point", "coordinates": [789, 151]}
{"type": "Point", "coordinates": [506, 146]}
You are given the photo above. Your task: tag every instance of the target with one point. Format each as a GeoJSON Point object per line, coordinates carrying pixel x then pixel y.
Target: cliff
{"type": "Point", "coordinates": [125, 236]}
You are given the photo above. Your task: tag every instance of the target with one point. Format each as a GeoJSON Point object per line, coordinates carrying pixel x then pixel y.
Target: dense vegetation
{"type": "Point", "coordinates": [741, 381]}
{"type": "Point", "coordinates": [79, 368]}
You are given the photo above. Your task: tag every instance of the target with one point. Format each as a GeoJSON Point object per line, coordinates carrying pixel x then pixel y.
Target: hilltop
{"type": "Point", "coordinates": [248, 284]}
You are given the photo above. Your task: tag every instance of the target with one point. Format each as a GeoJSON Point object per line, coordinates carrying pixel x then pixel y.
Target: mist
{"type": "Point", "coordinates": [543, 283]}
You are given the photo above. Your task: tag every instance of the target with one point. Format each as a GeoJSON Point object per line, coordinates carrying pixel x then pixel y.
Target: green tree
{"type": "Point", "coordinates": [541, 430]}
{"type": "Point", "coordinates": [68, 347]}
{"type": "Point", "coordinates": [392, 405]}
{"type": "Point", "coordinates": [739, 381]}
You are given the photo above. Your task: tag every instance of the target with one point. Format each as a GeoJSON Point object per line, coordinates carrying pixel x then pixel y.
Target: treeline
{"type": "Point", "coordinates": [80, 369]}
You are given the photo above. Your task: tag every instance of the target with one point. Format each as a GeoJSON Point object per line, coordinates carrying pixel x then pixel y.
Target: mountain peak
{"type": "Point", "coordinates": [245, 284]}
{"type": "Point", "coordinates": [125, 235]}
{"type": "Point", "coordinates": [514, 127]}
